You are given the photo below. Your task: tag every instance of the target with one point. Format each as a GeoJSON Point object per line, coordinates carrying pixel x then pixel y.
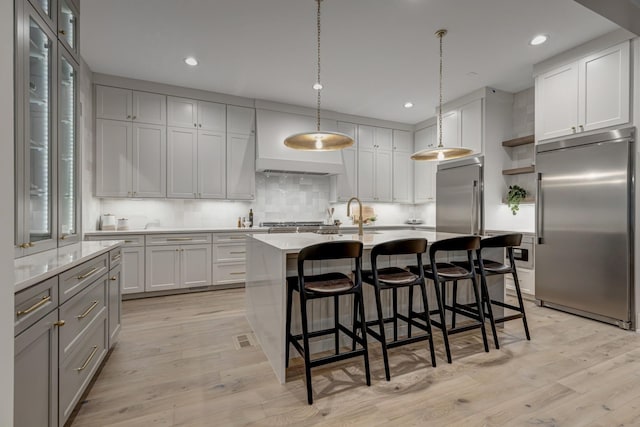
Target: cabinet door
{"type": "Point", "coordinates": [113, 158]}
{"type": "Point", "coordinates": [450, 128]}
{"type": "Point", "coordinates": [383, 175]}
{"type": "Point", "coordinates": [241, 167]}
{"type": "Point", "coordinates": [149, 108]}
{"type": "Point", "coordinates": [182, 173]}
{"type": "Point", "coordinates": [35, 397]}
{"type": "Point", "coordinates": [402, 140]}
{"type": "Point", "coordinates": [149, 173]}
{"type": "Point", "coordinates": [603, 95]}
{"type": "Point", "coordinates": [68, 32]}
{"type": "Point", "coordinates": [557, 102]}
{"type": "Point", "coordinates": [212, 159]}
{"type": "Point", "coordinates": [425, 171]}
{"type": "Point", "coordinates": [162, 268]}
{"type": "Point", "coordinates": [182, 112]}
{"type": "Point", "coordinates": [383, 138]}
{"type": "Point", "coordinates": [212, 116]}
{"type": "Point", "coordinates": [114, 304]}
{"type": "Point", "coordinates": [241, 120]}
{"type": "Point", "coordinates": [346, 182]}
{"type": "Point", "coordinates": [366, 137]}
{"type": "Point", "coordinates": [113, 103]}
{"type": "Point", "coordinates": [133, 269]}
{"type": "Point", "coordinates": [402, 177]}
{"type": "Point", "coordinates": [48, 11]}
{"type": "Point", "coordinates": [470, 116]}
{"type": "Point", "coordinates": [68, 185]}
{"type": "Point", "coordinates": [366, 174]}
{"type": "Point", "coordinates": [196, 265]}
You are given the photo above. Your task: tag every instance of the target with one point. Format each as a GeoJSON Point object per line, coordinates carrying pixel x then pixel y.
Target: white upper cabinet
{"type": "Point", "coordinates": [212, 116]}
{"type": "Point", "coordinates": [346, 181]}
{"type": "Point", "coordinates": [114, 103]}
{"type": "Point", "coordinates": [182, 153]}
{"type": "Point", "coordinates": [425, 171]}
{"type": "Point", "coordinates": [241, 120]}
{"type": "Point", "coordinates": [450, 127]}
{"type": "Point", "coordinates": [149, 161]}
{"type": "Point", "coordinates": [470, 116]}
{"type": "Point", "coordinates": [149, 108]}
{"type": "Point", "coordinates": [383, 176]}
{"type": "Point", "coordinates": [182, 112]}
{"type": "Point", "coordinates": [383, 138]}
{"type": "Point", "coordinates": [113, 151]}
{"type": "Point", "coordinates": [588, 94]}
{"type": "Point", "coordinates": [212, 172]}
{"type": "Point", "coordinates": [402, 166]}
{"type": "Point", "coordinates": [375, 164]}
{"type": "Point", "coordinates": [241, 166]}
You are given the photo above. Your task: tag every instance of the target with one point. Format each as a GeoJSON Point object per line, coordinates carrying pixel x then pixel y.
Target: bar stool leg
{"type": "Point", "coordinates": [423, 290]}
{"type": "Point", "coordinates": [383, 335]}
{"type": "Point", "coordinates": [410, 316]}
{"type": "Point", "coordinates": [474, 282]}
{"type": "Point", "coordinates": [395, 314]}
{"type": "Point", "coordinates": [487, 300]}
{"type": "Point", "coordinates": [454, 299]}
{"type": "Point", "coordinates": [521, 304]}
{"type": "Point", "coordinates": [305, 339]}
{"type": "Point", "coordinates": [443, 322]}
{"type": "Point", "coordinates": [355, 323]}
{"type": "Point", "coordinates": [336, 313]}
{"type": "Point", "coordinates": [288, 324]}
{"type": "Point", "coordinates": [358, 297]}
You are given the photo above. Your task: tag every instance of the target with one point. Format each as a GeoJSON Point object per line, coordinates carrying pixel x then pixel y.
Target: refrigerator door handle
{"type": "Point", "coordinates": [474, 209]}
{"type": "Point", "coordinates": [539, 219]}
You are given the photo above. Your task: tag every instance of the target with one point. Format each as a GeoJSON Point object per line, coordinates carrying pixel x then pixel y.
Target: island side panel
{"type": "Point", "coordinates": [265, 294]}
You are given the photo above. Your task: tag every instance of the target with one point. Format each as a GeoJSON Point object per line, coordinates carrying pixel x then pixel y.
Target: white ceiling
{"type": "Point", "coordinates": [376, 54]}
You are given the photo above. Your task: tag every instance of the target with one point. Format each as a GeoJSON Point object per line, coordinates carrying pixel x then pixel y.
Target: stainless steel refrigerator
{"type": "Point", "coordinates": [459, 195]}
{"type": "Point", "coordinates": [585, 223]}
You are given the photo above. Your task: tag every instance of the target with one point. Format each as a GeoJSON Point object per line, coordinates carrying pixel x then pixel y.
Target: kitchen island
{"type": "Point", "coordinates": [273, 257]}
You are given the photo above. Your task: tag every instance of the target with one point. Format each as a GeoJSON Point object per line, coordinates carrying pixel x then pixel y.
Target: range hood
{"type": "Point", "coordinates": [274, 157]}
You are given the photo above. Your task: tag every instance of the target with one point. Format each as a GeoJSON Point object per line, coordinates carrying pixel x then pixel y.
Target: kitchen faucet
{"type": "Point", "coordinates": [360, 221]}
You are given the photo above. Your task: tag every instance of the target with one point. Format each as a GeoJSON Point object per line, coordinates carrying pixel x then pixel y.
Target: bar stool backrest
{"type": "Point", "coordinates": [399, 247]}
{"type": "Point", "coordinates": [331, 250]}
{"type": "Point", "coordinates": [463, 243]}
{"type": "Point", "coordinates": [502, 241]}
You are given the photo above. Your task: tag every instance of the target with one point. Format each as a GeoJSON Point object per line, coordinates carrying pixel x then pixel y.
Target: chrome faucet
{"type": "Point", "coordinates": [360, 221]}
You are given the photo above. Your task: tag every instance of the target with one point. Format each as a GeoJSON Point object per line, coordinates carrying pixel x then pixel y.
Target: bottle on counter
{"type": "Point", "coordinates": [250, 218]}
{"type": "Point", "coordinates": [239, 222]}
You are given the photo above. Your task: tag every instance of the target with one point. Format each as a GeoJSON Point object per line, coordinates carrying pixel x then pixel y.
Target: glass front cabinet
{"type": "Point", "coordinates": [46, 166]}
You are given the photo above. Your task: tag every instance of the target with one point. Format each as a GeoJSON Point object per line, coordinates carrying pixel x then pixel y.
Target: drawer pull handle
{"type": "Point", "coordinates": [88, 273]}
{"type": "Point", "coordinates": [237, 273]}
{"type": "Point", "coordinates": [86, 362]}
{"type": "Point", "coordinates": [35, 306]}
{"type": "Point", "coordinates": [87, 311]}
{"type": "Point", "coordinates": [238, 252]}
{"type": "Point", "coordinates": [236, 238]}
{"type": "Point", "coordinates": [179, 239]}
{"type": "Point", "coordinates": [59, 323]}
{"type": "Point", "coordinates": [114, 278]}
{"type": "Point", "coordinates": [128, 241]}
{"type": "Point", "coordinates": [116, 258]}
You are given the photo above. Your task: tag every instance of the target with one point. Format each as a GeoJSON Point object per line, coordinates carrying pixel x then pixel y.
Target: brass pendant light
{"type": "Point", "coordinates": [318, 140]}
{"type": "Point", "coordinates": [441, 152]}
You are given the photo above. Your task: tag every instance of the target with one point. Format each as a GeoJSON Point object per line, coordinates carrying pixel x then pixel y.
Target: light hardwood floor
{"type": "Point", "coordinates": [176, 364]}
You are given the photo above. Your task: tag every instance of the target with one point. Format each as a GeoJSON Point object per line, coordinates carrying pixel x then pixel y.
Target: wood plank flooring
{"type": "Point", "coordinates": [177, 364]}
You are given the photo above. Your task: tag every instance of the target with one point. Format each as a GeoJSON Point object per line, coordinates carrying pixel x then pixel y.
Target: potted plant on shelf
{"type": "Point", "coordinates": [515, 195]}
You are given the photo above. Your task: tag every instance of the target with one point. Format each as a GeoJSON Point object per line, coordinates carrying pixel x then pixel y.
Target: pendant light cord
{"type": "Point", "coordinates": [318, 77]}
{"type": "Point", "coordinates": [440, 34]}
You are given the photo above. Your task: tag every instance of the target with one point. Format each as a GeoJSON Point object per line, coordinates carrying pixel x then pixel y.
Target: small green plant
{"type": "Point", "coordinates": [515, 195]}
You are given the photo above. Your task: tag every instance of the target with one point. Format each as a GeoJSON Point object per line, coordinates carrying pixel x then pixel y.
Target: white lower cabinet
{"type": "Point", "coordinates": [132, 275]}
{"type": "Point", "coordinates": [177, 266]}
{"type": "Point", "coordinates": [195, 266]}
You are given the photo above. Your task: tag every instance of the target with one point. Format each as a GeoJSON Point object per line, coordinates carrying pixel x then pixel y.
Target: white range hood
{"type": "Point", "coordinates": [273, 156]}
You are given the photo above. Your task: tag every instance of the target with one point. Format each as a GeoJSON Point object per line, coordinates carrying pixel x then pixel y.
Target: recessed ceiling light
{"type": "Point", "coordinates": [539, 39]}
{"type": "Point", "coordinates": [408, 104]}
{"type": "Point", "coordinates": [191, 61]}
{"type": "Point", "coordinates": [317, 86]}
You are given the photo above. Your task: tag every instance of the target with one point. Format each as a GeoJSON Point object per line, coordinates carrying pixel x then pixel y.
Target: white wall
{"type": "Point", "coordinates": [6, 212]}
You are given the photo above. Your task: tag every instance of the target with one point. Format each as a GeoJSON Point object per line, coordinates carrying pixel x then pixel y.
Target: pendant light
{"type": "Point", "coordinates": [318, 140]}
{"type": "Point", "coordinates": [441, 152]}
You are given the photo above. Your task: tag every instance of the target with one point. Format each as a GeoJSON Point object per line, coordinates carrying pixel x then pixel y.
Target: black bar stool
{"type": "Point", "coordinates": [393, 278]}
{"type": "Point", "coordinates": [486, 267]}
{"type": "Point", "coordinates": [443, 272]}
{"type": "Point", "coordinates": [325, 286]}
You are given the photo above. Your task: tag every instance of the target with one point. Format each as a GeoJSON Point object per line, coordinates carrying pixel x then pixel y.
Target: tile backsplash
{"type": "Point", "coordinates": [278, 198]}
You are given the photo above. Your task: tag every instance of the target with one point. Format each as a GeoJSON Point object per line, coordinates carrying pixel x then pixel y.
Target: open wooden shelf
{"type": "Point", "coordinates": [529, 200]}
{"type": "Point", "coordinates": [529, 139]}
{"type": "Point", "coordinates": [519, 171]}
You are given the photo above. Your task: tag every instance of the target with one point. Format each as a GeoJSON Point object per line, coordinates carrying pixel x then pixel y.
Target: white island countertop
{"type": "Point", "coordinates": [293, 242]}
{"type": "Point", "coordinates": [35, 268]}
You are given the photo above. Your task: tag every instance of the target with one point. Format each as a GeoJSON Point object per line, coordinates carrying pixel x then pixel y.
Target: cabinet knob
{"type": "Point", "coordinates": [135, 117]}
{"type": "Point", "coordinates": [63, 32]}
{"type": "Point", "coordinates": [195, 125]}
{"type": "Point", "coordinates": [200, 125]}
{"type": "Point", "coordinates": [24, 246]}
{"type": "Point", "coordinates": [59, 323]}
{"type": "Point", "coordinates": [128, 116]}
{"type": "Point", "coordinates": [581, 128]}
{"type": "Point", "coordinates": [573, 128]}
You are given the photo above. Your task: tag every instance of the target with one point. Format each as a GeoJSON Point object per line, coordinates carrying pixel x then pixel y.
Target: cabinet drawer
{"type": "Point", "coordinates": [115, 258]}
{"type": "Point", "coordinates": [33, 303]}
{"type": "Point", "coordinates": [74, 280]}
{"type": "Point", "coordinates": [229, 273]}
{"type": "Point", "coordinates": [230, 252]}
{"type": "Point", "coordinates": [76, 372]}
{"type": "Point", "coordinates": [178, 239]}
{"type": "Point", "coordinates": [80, 312]}
{"type": "Point", "coordinates": [129, 239]}
{"type": "Point", "coordinates": [239, 237]}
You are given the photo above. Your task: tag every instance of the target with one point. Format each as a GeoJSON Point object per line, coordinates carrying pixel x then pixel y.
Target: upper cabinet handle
{"type": "Point", "coordinates": [573, 128]}
{"type": "Point", "coordinates": [128, 116]}
{"type": "Point", "coordinates": [581, 128]}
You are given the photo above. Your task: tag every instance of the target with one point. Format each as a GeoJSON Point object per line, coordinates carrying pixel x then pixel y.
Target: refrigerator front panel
{"type": "Point", "coordinates": [582, 256]}
{"type": "Point", "coordinates": [459, 195]}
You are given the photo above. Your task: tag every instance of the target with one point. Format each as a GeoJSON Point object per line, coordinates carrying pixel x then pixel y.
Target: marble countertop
{"type": "Point", "coordinates": [35, 268]}
{"type": "Point", "coordinates": [293, 242]}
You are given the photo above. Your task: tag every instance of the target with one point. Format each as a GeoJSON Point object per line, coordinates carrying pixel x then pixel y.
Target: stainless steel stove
{"type": "Point", "coordinates": [300, 227]}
